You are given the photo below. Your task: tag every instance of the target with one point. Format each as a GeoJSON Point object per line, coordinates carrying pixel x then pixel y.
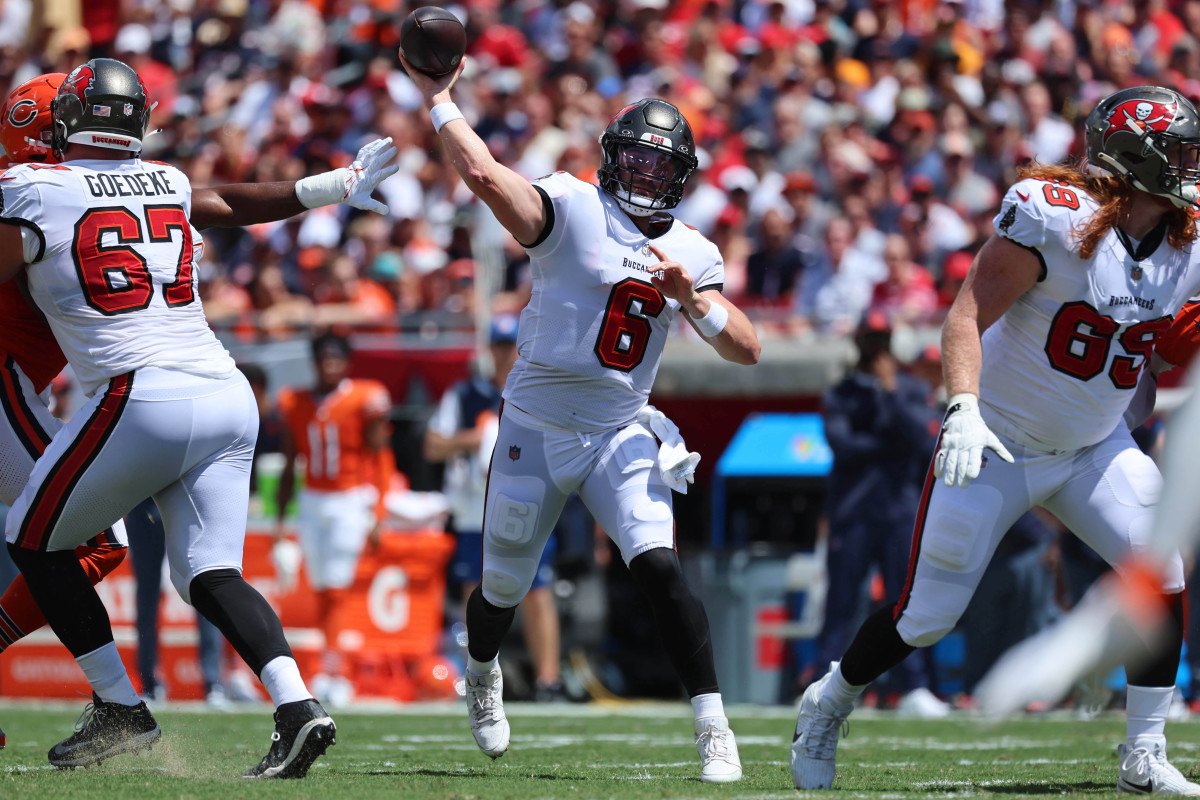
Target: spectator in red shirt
{"type": "Point", "coordinates": [907, 296]}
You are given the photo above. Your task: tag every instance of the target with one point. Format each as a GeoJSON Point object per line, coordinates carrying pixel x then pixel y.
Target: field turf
{"type": "Point", "coordinates": [580, 752]}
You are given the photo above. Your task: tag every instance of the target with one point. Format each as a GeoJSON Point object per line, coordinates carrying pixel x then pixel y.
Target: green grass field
{"type": "Point", "coordinates": [580, 753]}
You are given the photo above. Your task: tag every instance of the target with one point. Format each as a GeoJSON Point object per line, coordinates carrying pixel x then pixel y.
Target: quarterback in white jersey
{"type": "Point", "coordinates": [106, 245]}
{"type": "Point", "coordinates": [1043, 349]}
{"type": "Point", "coordinates": [611, 268]}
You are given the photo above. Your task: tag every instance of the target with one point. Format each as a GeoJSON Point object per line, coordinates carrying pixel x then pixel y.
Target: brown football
{"type": "Point", "coordinates": [433, 40]}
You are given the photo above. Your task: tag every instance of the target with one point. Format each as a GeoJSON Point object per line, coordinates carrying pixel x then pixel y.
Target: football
{"type": "Point", "coordinates": [433, 40]}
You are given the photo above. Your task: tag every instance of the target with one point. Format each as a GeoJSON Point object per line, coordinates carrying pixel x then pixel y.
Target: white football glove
{"type": "Point", "coordinates": [286, 556]}
{"type": "Point", "coordinates": [352, 185]}
{"type": "Point", "coordinates": [964, 436]}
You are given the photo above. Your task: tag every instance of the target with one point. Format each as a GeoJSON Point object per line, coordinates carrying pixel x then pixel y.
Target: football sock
{"type": "Point", "coordinates": [1161, 667]}
{"type": "Point", "coordinates": [19, 613]}
{"type": "Point", "coordinates": [708, 705]}
{"type": "Point", "coordinates": [60, 586]}
{"type": "Point", "coordinates": [107, 675]}
{"type": "Point", "coordinates": [1146, 711]}
{"type": "Point", "coordinates": [877, 647]}
{"type": "Point", "coordinates": [281, 677]}
{"type": "Point", "coordinates": [242, 615]}
{"type": "Point", "coordinates": [481, 667]}
{"type": "Point", "coordinates": [840, 691]}
{"type": "Point", "coordinates": [486, 626]}
{"type": "Point", "coordinates": [682, 623]}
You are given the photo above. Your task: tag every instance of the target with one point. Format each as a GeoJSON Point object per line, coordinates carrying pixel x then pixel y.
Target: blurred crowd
{"type": "Point", "coordinates": [853, 151]}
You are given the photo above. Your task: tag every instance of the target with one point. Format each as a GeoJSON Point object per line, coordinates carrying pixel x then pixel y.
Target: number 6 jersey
{"type": "Point", "coordinates": [592, 336]}
{"type": "Point", "coordinates": [1062, 362]}
{"type": "Point", "coordinates": [113, 271]}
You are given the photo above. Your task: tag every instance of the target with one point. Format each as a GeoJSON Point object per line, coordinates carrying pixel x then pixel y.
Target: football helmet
{"type": "Point", "coordinates": [103, 104]}
{"type": "Point", "coordinates": [1149, 135]}
{"type": "Point", "coordinates": [26, 125]}
{"type": "Point", "coordinates": [649, 154]}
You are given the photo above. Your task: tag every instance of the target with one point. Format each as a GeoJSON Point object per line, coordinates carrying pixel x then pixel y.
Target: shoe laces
{"type": "Point", "coordinates": [91, 712]}
{"type": "Point", "coordinates": [483, 702]}
{"type": "Point", "coordinates": [1145, 761]}
{"type": "Point", "coordinates": [714, 743]}
{"type": "Point", "coordinates": [822, 738]}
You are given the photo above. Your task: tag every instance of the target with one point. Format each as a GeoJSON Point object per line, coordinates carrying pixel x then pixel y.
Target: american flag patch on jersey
{"type": "Point", "coordinates": [101, 111]}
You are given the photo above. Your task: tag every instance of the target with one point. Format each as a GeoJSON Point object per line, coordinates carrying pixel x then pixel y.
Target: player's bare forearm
{"type": "Point", "coordinates": [514, 201]}
{"type": "Point", "coordinates": [738, 342]}
{"type": "Point", "coordinates": [238, 204]}
{"type": "Point", "coordinates": [962, 351]}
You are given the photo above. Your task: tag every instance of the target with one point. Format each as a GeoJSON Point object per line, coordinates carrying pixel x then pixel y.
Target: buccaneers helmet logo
{"type": "Point", "coordinates": [79, 81]}
{"type": "Point", "coordinates": [1139, 116]}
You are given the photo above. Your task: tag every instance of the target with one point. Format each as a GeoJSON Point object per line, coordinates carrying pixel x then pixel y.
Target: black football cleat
{"type": "Point", "coordinates": [303, 731]}
{"type": "Point", "coordinates": [105, 730]}
{"type": "Point", "coordinates": [3, 741]}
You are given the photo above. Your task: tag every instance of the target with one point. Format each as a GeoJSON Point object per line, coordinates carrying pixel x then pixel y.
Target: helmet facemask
{"type": "Point", "coordinates": [642, 178]}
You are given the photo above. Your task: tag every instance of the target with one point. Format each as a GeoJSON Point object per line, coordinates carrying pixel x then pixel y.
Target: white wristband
{"type": "Point", "coordinates": [443, 113]}
{"type": "Point", "coordinates": [325, 189]}
{"type": "Point", "coordinates": [714, 321]}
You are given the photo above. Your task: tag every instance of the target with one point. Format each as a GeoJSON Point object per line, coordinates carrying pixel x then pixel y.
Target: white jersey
{"type": "Point", "coordinates": [1061, 364]}
{"type": "Point", "coordinates": [114, 275]}
{"type": "Point", "coordinates": [592, 336]}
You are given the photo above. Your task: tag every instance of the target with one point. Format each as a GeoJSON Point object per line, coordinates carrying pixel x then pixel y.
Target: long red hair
{"type": "Point", "coordinates": [1113, 195]}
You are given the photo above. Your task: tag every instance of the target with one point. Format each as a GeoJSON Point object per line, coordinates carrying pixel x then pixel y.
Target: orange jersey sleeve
{"type": "Point", "coordinates": [25, 335]}
{"type": "Point", "coordinates": [1179, 344]}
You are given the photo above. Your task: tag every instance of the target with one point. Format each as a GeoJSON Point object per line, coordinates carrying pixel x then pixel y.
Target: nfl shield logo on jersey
{"type": "Point", "coordinates": [514, 452]}
{"type": "Point", "coordinates": [128, 109]}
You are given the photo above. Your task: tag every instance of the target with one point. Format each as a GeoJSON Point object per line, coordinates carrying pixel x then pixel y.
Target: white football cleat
{"type": "Point", "coordinates": [485, 704]}
{"type": "Point", "coordinates": [814, 747]}
{"type": "Point", "coordinates": [719, 761]}
{"type": "Point", "coordinates": [922, 704]}
{"type": "Point", "coordinates": [1145, 770]}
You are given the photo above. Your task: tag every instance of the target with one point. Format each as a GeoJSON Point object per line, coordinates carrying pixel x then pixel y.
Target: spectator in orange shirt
{"type": "Point", "coordinates": [347, 298]}
{"type": "Point", "coordinates": [341, 428]}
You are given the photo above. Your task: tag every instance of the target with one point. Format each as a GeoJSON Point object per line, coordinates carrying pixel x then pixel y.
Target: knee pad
{"type": "Point", "coordinates": [506, 581]}
{"type": "Point", "coordinates": [933, 610]}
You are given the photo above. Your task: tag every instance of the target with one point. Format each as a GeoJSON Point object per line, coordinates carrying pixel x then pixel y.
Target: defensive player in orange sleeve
{"type": "Point", "coordinates": [341, 428]}
{"type": "Point", "coordinates": [1179, 344]}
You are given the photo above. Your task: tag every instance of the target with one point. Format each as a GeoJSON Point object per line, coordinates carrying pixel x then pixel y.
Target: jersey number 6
{"type": "Point", "coordinates": [625, 331]}
{"type": "Point", "coordinates": [115, 277]}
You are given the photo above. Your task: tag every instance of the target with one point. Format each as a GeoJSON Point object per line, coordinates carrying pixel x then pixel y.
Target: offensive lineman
{"type": "Point", "coordinates": [1042, 352]}
{"type": "Point", "coordinates": [605, 292]}
{"type": "Point", "coordinates": [111, 249]}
